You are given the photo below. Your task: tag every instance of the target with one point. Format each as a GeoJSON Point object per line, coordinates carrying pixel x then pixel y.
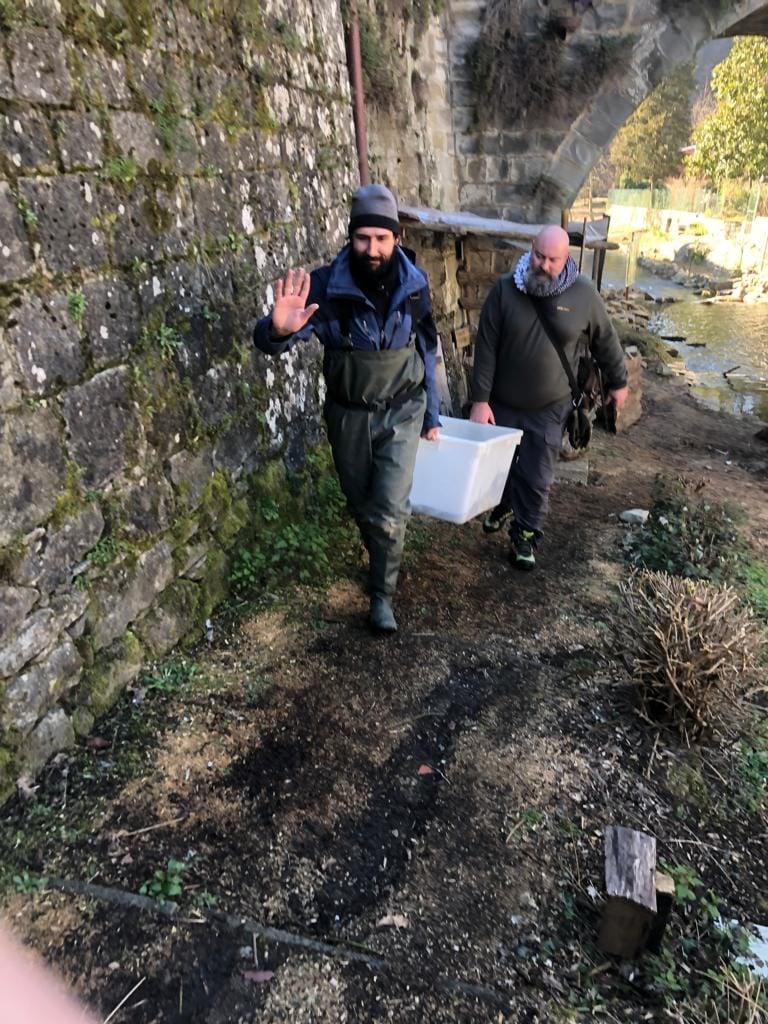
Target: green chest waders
{"type": "Point", "coordinates": [374, 413]}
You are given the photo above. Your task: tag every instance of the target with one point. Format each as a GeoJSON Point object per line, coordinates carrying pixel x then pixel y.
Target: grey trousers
{"type": "Point", "coordinates": [374, 454]}
{"type": "Point", "coordinates": [526, 491]}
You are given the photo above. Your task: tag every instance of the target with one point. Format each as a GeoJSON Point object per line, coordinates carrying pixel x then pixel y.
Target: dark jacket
{"type": "Point", "coordinates": [346, 313]}
{"type": "Point", "coordinates": [515, 361]}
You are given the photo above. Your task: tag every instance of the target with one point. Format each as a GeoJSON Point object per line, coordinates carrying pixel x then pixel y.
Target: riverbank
{"type": "Point", "coordinates": [420, 820]}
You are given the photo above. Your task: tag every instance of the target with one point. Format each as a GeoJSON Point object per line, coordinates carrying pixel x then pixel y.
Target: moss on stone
{"type": "Point", "coordinates": [215, 587]}
{"type": "Point", "coordinates": [110, 672]}
{"type": "Point", "coordinates": [648, 344]}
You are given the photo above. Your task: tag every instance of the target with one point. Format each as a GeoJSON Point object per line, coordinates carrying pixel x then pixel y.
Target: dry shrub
{"type": "Point", "coordinates": [692, 648]}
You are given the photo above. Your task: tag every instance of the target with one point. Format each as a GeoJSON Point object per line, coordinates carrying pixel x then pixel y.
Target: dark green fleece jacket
{"type": "Point", "coordinates": [516, 363]}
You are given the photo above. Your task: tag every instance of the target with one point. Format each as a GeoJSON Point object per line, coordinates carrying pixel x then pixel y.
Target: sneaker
{"type": "Point", "coordinates": [521, 555]}
{"type": "Point", "coordinates": [496, 518]}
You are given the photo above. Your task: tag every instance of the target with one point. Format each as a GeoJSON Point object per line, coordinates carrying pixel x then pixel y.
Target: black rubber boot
{"type": "Point", "coordinates": [381, 617]}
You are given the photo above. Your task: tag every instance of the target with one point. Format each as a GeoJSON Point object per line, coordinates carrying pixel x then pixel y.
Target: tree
{"type": "Point", "coordinates": [733, 141]}
{"type": "Point", "coordinates": [648, 146]}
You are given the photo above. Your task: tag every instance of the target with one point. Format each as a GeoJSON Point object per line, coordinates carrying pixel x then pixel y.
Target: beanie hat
{"type": "Point", "coordinates": [374, 206]}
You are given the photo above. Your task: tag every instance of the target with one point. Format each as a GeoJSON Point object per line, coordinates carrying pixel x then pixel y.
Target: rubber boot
{"type": "Point", "coordinates": [385, 555]}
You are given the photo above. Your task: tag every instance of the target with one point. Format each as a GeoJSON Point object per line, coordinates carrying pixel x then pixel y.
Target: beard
{"type": "Point", "coordinates": [538, 283]}
{"type": "Point", "coordinates": [368, 271]}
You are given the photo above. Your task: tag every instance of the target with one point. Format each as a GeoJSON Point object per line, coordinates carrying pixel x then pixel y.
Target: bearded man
{"type": "Point", "coordinates": [519, 380]}
{"type": "Point", "coordinates": [371, 310]}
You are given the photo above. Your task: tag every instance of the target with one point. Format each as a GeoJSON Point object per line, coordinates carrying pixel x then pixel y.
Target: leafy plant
{"type": "Point", "coordinates": [105, 551]}
{"type": "Point", "coordinates": [76, 306]}
{"type": "Point", "coordinates": [753, 770]}
{"type": "Point", "coordinates": [301, 533]}
{"type": "Point", "coordinates": [166, 882]}
{"type": "Point", "coordinates": [170, 676]}
{"type": "Point", "coordinates": [688, 536]}
{"type": "Point", "coordinates": [28, 215]}
{"type": "Point", "coordinates": [26, 883]}
{"type": "Point", "coordinates": [121, 169]}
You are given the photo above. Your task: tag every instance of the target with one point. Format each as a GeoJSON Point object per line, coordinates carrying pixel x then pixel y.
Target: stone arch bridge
{"type": "Point", "coordinates": [578, 69]}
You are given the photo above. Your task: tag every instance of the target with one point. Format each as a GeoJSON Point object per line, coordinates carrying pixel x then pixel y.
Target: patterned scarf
{"type": "Point", "coordinates": [568, 275]}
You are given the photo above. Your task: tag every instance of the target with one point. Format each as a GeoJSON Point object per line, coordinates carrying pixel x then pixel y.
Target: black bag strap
{"type": "Point", "coordinates": [577, 396]}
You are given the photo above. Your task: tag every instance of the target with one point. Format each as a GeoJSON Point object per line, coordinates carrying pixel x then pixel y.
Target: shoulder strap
{"type": "Point", "coordinates": [576, 393]}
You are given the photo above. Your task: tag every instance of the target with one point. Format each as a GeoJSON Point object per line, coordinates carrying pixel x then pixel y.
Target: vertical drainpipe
{"type": "Point", "coordinates": [355, 66]}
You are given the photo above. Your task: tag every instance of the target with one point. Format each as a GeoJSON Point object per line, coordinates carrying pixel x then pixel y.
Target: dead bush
{"type": "Point", "coordinates": [692, 649]}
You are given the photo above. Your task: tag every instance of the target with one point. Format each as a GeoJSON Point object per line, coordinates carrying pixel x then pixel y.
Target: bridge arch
{"type": "Point", "coordinates": [530, 167]}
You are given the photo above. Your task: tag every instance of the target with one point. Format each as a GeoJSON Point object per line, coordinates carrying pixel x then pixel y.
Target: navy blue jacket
{"type": "Point", "coordinates": [345, 310]}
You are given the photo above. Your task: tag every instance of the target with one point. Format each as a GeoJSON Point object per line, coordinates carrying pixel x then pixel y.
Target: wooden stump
{"type": "Point", "coordinates": [630, 882]}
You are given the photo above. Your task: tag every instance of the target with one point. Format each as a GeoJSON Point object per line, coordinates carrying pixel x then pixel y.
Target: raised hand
{"type": "Point", "coordinates": [290, 311]}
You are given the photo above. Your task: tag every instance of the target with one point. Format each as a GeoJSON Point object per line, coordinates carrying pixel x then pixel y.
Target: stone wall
{"type": "Point", "coordinates": [160, 164]}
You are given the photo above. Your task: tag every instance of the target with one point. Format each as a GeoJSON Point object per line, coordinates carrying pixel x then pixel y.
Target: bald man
{"type": "Point", "coordinates": [519, 381]}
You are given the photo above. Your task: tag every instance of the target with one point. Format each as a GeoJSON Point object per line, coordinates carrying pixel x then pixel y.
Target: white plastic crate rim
{"type": "Point", "coordinates": [462, 474]}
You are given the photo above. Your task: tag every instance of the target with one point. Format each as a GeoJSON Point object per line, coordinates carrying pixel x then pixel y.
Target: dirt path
{"type": "Point", "coordinates": [456, 779]}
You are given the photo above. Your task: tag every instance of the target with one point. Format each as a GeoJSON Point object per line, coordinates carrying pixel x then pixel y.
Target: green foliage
{"type": "Point", "coordinates": [28, 215]}
{"type": "Point", "coordinates": [76, 306]}
{"type": "Point", "coordinates": [753, 770]}
{"type": "Point", "coordinates": [106, 551]}
{"type": "Point", "coordinates": [687, 536]}
{"type": "Point", "coordinates": [170, 676]}
{"type": "Point", "coordinates": [165, 339]}
{"type": "Point", "coordinates": [166, 882]}
{"type": "Point", "coordinates": [379, 79]}
{"type": "Point", "coordinates": [121, 170]}
{"type": "Point", "coordinates": [755, 576]}
{"type": "Point", "coordinates": [696, 973]}
{"type": "Point", "coordinates": [167, 116]}
{"type": "Point", "coordinates": [733, 141]}
{"type": "Point", "coordinates": [28, 884]}
{"type": "Point", "coordinates": [288, 36]}
{"type": "Point", "coordinates": [10, 15]}
{"type": "Point", "coordinates": [648, 146]}
{"type": "Point", "coordinates": [301, 533]}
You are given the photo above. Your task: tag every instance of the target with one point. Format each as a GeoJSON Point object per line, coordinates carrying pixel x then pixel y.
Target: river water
{"type": "Point", "coordinates": [734, 334]}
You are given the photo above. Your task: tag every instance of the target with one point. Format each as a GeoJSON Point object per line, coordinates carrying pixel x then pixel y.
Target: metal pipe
{"type": "Point", "coordinates": [355, 66]}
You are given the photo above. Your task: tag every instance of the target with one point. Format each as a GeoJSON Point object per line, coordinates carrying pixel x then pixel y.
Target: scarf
{"type": "Point", "coordinates": [568, 275]}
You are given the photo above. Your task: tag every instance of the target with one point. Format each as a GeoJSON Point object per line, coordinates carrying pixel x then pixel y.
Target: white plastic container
{"type": "Point", "coordinates": [462, 474]}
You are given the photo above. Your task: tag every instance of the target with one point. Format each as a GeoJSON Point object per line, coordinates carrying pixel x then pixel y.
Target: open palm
{"type": "Point", "coordinates": [291, 312]}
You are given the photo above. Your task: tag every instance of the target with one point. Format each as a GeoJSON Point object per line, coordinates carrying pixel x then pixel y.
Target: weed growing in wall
{"type": "Point", "coordinates": [301, 534]}
{"type": "Point", "coordinates": [120, 169]}
{"type": "Point", "coordinates": [76, 306]}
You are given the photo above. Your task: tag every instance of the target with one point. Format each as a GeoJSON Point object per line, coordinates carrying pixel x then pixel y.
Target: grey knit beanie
{"type": "Point", "coordinates": [374, 206]}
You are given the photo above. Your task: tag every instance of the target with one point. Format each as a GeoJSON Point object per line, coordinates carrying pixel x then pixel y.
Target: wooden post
{"type": "Point", "coordinates": [630, 882]}
{"type": "Point", "coordinates": [665, 897]}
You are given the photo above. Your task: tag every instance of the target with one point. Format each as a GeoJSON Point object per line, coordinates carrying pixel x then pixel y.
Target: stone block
{"type": "Point", "coordinates": [47, 344]}
{"type": "Point", "coordinates": [26, 140]}
{"type": "Point", "coordinates": [33, 637]}
{"type": "Point", "coordinates": [15, 603]}
{"type": "Point", "coordinates": [147, 505]}
{"type": "Point", "coordinates": [33, 692]}
{"type": "Point", "coordinates": [16, 259]}
{"type": "Point", "coordinates": [7, 88]}
{"type": "Point", "coordinates": [152, 223]}
{"type": "Point", "coordinates": [68, 221]}
{"type": "Point", "coordinates": [111, 319]}
{"type": "Point", "coordinates": [80, 141]}
{"type": "Point", "coordinates": [52, 560]}
{"type": "Point", "coordinates": [10, 392]}
{"type": "Point", "coordinates": [217, 213]}
{"type": "Point", "coordinates": [121, 596]}
{"type": "Point", "coordinates": [39, 66]}
{"type": "Point", "coordinates": [170, 618]}
{"type": "Point", "coordinates": [106, 78]}
{"type": "Point", "coordinates": [190, 473]}
{"type": "Point", "coordinates": [69, 606]}
{"type": "Point", "coordinates": [32, 469]}
{"type": "Point", "coordinates": [54, 733]}
{"type": "Point", "coordinates": [101, 419]}
{"type": "Point", "coordinates": [137, 137]}
{"type": "Point", "coordinates": [113, 669]}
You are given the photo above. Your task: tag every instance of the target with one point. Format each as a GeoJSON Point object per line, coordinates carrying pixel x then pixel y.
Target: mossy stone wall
{"type": "Point", "coordinates": [160, 165]}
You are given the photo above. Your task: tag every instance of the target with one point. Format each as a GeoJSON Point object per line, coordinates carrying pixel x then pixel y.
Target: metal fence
{"type": "Point", "coordinates": [734, 201]}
